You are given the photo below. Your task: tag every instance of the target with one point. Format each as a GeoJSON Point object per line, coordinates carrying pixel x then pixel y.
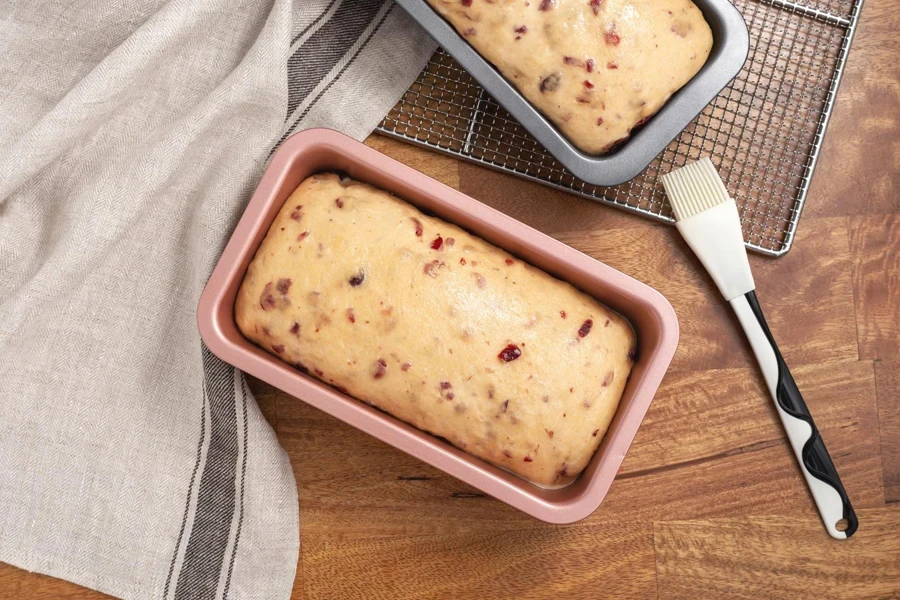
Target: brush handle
{"type": "Point", "coordinates": [812, 456]}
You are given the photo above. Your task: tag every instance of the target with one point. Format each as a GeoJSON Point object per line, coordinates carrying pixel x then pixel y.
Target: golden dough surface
{"type": "Point", "coordinates": [437, 327]}
{"type": "Point", "coordinates": [596, 69]}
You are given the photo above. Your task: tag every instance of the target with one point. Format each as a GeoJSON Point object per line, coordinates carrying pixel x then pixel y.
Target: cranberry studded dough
{"type": "Point", "coordinates": [595, 68]}
{"type": "Point", "coordinates": [437, 327]}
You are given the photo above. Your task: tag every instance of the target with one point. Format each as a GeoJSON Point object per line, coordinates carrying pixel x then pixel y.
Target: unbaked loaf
{"type": "Point", "coordinates": [437, 327]}
{"type": "Point", "coordinates": [595, 68]}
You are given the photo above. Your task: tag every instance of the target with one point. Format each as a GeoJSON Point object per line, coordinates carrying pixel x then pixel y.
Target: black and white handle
{"type": "Point", "coordinates": [821, 476]}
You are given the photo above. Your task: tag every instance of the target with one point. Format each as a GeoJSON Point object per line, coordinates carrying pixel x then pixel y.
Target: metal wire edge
{"type": "Point", "coordinates": [810, 12]}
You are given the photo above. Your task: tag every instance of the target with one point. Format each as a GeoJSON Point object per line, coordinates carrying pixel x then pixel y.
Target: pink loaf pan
{"type": "Point", "coordinates": [319, 150]}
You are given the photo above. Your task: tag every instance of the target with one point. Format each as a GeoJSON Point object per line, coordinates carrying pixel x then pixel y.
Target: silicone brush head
{"type": "Point", "coordinates": [708, 220]}
{"type": "Point", "coordinates": [694, 188]}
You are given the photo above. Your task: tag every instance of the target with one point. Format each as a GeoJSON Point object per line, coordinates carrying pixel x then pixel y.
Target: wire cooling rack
{"type": "Point", "coordinates": [764, 130]}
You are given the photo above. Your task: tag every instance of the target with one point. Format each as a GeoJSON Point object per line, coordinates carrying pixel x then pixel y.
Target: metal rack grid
{"type": "Point", "coordinates": [764, 130]}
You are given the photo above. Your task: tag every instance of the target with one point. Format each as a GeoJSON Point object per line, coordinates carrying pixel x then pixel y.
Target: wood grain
{"type": "Point", "coordinates": [19, 584]}
{"type": "Point", "coordinates": [709, 502]}
{"type": "Point", "coordinates": [777, 557]}
{"type": "Point", "coordinates": [858, 166]}
{"type": "Point", "coordinates": [875, 246]}
{"type": "Point", "coordinates": [514, 564]}
{"type": "Point", "coordinates": [887, 378]}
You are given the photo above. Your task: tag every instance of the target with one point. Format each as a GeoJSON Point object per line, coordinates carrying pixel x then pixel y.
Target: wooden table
{"type": "Point", "coordinates": [709, 502]}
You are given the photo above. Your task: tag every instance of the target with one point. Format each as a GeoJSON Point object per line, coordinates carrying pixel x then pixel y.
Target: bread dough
{"type": "Point", "coordinates": [595, 68]}
{"type": "Point", "coordinates": [437, 327]}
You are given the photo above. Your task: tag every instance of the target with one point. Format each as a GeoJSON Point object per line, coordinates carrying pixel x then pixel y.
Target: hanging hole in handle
{"type": "Point", "coordinates": [842, 525]}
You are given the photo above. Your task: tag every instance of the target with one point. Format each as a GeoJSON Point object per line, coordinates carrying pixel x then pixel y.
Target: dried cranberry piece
{"type": "Point", "coordinates": [319, 372]}
{"type": "Point", "coordinates": [521, 29]}
{"type": "Point", "coordinates": [589, 65]}
{"type": "Point", "coordinates": [588, 84]}
{"type": "Point", "coordinates": [680, 29]}
{"type": "Point", "coordinates": [297, 215]}
{"type": "Point", "coordinates": [550, 83]}
{"type": "Point", "coordinates": [527, 459]}
{"type": "Point", "coordinates": [612, 65]}
{"type": "Point", "coordinates": [450, 396]}
{"type": "Point", "coordinates": [266, 299]}
{"type": "Point", "coordinates": [467, 2]}
{"type": "Point", "coordinates": [283, 286]}
{"type": "Point", "coordinates": [571, 60]}
{"type": "Point", "coordinates": [469, 31]}
{"type": "Point", "coordinates": [445, 385]}
{"type": "Point", "coordinates": [595, 6]}
{"type": "Point", "coordinates": [405, 366]}
{"type": "Point", "coordinates": [278, 348]}
{"type": "Point", "coordinates": [267, 302]}
{"type": "Point", "coordinates": [510, 262]}
{"type": "Point", "coordinates": [547, 4]}
{"type": "Point", "coordinates": [302, 236]}
{"type": "Point", "coordinates": [612, 38]}
{"type": "Point", "coordinates": [608, 379]}
{"type": "Point", "coordinates": [511, 352]}
{"type": "Point", "coordinates": [339, 202]}
{"type": "Point", "coordinates": [418, 225]}
{"type": "Point", "coordinates": [585, 328]}
{"type": "Point", "coordinates": [480, 280]}
{"type": "Point", "coordinates": [599, 121]}
{"type": "Point", "coordinates": [438, 243]}
{"type": "Point", "coordinates": [380, 368]}
{"type": "Point", "coordinates": [504, 406]}
{"type": "Point", "coordinates": [507, 453]}
{"type": "Point", "coordinates": [596, 431]}
{"type": "Point", "coordinates": [358, 278]}
{"type": "Point", "coordinates": [295, 328]}
{"type": "Point", "coordinates": [462, 261]}
{"type": "Point", "coordinates": [351, 316]}
{"type": "Point", "coordinates": [431, 268]}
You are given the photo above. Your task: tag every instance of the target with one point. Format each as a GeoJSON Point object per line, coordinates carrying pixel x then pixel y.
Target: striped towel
{"type": "Point", "coordinates": [132, 134]}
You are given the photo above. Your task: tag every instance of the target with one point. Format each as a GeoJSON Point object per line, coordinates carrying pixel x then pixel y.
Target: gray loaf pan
{"type": "Point", "coordinates": [731, 43]}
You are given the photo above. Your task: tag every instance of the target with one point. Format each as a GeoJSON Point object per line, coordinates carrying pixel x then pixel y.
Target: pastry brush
{"type": "Point", "coordinates": [708, 220]}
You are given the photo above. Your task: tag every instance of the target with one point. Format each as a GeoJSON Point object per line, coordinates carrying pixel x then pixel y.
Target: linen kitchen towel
{"type": "Point", "coordinates": [132, 134]}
